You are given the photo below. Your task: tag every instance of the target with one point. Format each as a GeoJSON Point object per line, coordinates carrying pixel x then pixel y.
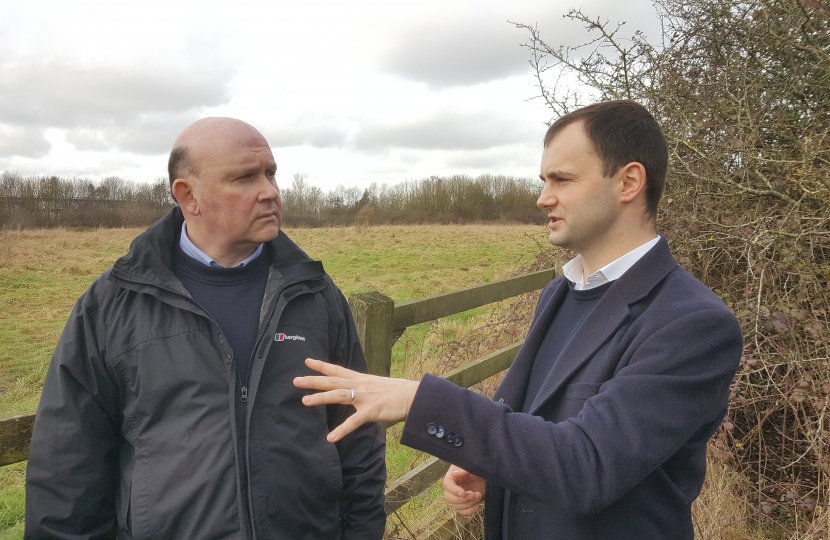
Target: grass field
{"type": "Point", "coordinates": [43, 272]}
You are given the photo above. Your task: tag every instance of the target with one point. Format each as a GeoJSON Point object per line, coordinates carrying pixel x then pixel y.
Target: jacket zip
{"type": "Point", "coordinates": [280, 293]}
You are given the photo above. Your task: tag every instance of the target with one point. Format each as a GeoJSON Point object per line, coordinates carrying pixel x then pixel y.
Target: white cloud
{"type": "Point", "coordinates": [22, 141]}
{"type": "Point", "coordinates": [448, 130]}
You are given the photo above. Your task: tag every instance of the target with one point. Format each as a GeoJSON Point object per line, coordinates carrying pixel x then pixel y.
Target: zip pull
{"type": "Point", "coordinates": [244, 394]}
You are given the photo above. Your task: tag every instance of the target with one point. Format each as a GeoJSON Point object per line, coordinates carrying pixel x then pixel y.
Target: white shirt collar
{"type": "Point", "coordinates": [610, 272]}
{"type": "Point", "coordinates": [190, 249]}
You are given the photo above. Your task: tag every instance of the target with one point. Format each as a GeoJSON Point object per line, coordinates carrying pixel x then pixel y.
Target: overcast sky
{"type": "Point", "coordinates": [346, 92]}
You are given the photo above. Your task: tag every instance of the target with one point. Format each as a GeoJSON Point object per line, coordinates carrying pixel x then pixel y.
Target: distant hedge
{"type": "Point", "coordinates": [53, 201]}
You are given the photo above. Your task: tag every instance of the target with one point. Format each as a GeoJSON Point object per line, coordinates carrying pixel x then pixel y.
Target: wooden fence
{"type": "Point", "coordinates": [379, 323]}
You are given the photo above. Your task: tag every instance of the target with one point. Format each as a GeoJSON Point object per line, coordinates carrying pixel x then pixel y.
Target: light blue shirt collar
{"type": "Point", "coordinates": [610, 272]}
{"type": "Point", "coordinates": [191, 250]}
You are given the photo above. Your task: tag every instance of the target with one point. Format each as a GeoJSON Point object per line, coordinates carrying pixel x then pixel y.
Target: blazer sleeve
{"type": "Point", "coordinates": [363, 452]}
{"type": "Point", "coordinates": [636, 421]}
{"type": "Point", "coordinates": [72, 470]}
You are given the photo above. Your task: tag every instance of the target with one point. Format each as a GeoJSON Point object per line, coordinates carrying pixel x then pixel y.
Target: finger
{"type": "Point", "coordinates": [456, 502]}
{"type": "Point", "coordinates": [313, 382]}
{"type": "Point", "coordinates": [468, 510]}
{"type": "Point", "coordinates": [459, 474]}
{"type": "Point", "coordinates": [350, 424]}
{"type": "Point", "coordinates": [453, 493]}
{"type": "Point", "coordinates": [467, 506]}
{"type": "Point", "coordinates": [331, 370]}
{"type": "Point", "coordinates": [339, 396]}
{"type": "Point", "coordinates": [466, 497]}
{"type": "Point", "coordinates": [451, 485]}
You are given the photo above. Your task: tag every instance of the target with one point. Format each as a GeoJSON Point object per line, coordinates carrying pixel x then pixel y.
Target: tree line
{"type": "Point", "coordinates": [437, 199]}
{"type": "Point", "coordinates": [54, 201]}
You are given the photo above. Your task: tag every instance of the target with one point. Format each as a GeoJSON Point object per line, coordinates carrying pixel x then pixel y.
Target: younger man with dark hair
{"type": "Point", "coordinates": [599, 428]}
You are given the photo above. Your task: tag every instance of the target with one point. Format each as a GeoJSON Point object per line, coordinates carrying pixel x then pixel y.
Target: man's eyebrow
{"type": "Point", "coordinates": [557, 174]}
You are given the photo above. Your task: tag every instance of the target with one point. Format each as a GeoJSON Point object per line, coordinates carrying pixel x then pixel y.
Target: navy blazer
{"type": "Point", "coordinates": [614, 445]}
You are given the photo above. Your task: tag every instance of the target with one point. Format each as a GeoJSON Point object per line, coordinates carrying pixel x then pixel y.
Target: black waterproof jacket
{"type": "Point", "coordinates": [143, 431]}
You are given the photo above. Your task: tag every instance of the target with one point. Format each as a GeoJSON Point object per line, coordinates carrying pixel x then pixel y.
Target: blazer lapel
{"type": "Point", "coordinates": [605, 318]}
{"type": "Point", "coordinates": [513, 386]}
{"type": "Point", "coordinates": [598, 326]}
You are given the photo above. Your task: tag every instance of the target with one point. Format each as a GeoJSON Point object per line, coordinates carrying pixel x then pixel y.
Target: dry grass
{"type": "Point", "coordinates": [721, 511]}
{"type": "Point", "coordinates": [43, 272]}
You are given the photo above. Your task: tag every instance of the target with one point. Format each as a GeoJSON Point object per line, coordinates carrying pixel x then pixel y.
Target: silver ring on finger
{"type": "Point", "coordinates": [353, 395]}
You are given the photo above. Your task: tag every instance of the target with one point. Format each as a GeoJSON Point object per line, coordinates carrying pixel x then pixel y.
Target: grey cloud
{"type": "Point", "coordinates": [146, 134]}
{"type": "Point", "coordinates": [152, 133]}
{"type": "Point", "coordinates": [478, 44]}
{"type": "Point", "coordinates": [138, 109]}
{"type": "Point", "coordinates": [451, 131]}
{"type": "Point", "coordinates": [495, 159]}
{"type": "Point", "coordinates": [60, 94]}
{"type": "Point", "coordinates": [313, 130]}
{"type": "Point", "coordinates": [23, 141]}
{"type": "Point", "coordinates": [458, 54]}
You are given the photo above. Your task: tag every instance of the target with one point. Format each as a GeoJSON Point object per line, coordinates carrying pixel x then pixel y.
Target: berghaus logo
{"type": "Point", "coordinates": [279, 336]}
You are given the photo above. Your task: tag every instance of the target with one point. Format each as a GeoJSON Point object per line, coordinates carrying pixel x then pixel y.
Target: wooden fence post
{"type": "Point", "coordinates": [374, 314]}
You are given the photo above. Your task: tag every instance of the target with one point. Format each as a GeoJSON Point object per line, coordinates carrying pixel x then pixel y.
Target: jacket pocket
{"type": "Point", "coordinates": [573, 398]}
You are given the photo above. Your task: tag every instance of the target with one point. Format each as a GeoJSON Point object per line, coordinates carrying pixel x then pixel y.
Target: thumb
{"type": "Point", "coordinates": [459, 473]}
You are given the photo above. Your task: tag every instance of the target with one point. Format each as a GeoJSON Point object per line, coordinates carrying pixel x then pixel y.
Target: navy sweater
{"type": "Point", "coordinates": [575, 307]}
{"type": "Point", "coordinates": [232, 296]}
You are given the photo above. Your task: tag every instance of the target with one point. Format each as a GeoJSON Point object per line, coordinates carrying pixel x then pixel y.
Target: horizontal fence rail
{"type": "Point", "coordinates": [15, 436]}
{"type": "Point", "coordinates": [428, 309]}
{"type": "Point", "coordinates": [420, 478]}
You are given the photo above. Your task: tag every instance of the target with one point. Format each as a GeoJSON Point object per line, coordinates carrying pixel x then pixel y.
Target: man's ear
{"type": "Point", "coordinates": [186, 197]}
{"type": "Point", "coordinates": [632, 181]}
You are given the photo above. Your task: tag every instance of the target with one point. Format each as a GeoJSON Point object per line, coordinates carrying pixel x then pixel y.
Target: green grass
{"type": "Point", "coordinates": [42, 273]}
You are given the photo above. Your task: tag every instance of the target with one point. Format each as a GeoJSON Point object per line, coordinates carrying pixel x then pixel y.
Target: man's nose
{"type": "Point", "coordinates": [268, 189]}
{"type": "Point", "coordinates": [547, 199]}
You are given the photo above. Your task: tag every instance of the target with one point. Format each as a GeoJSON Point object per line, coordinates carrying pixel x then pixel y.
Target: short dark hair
{"type": "Point", "coordinates": [179, 165]}
{"type": "Point", "coordinates": [621, 132]}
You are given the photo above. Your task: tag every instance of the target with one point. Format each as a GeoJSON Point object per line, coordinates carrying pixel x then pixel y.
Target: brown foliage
{"type": "Point", "coordinates": [742, 90]}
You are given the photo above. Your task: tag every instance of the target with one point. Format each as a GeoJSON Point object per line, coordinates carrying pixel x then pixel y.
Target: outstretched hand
{"type": "Point", "coordinates": [463, 490]}
{"type": "Point", "coordinates": [376, 399]}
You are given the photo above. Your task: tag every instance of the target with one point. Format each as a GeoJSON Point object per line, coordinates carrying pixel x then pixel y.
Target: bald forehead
{"type": "Point", "coordinates": [219, 147]}
{"type": "Point", "coordinates": [211, 132]}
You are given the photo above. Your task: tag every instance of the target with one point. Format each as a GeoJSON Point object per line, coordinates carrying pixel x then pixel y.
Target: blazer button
{"type": "Point", "coordinates": [457, 440]}
{"type": "Point", "coordinates": [431, 429]}
{"type": "Point", "coordinates": [449, 437]}
{"type": "Point", "coordinates": [440, 432]}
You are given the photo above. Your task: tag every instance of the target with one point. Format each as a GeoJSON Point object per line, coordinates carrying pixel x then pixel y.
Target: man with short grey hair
{"type": "Point", "coordinates": [168, 410]}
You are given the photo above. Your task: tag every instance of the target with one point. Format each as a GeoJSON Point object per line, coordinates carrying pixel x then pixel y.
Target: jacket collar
{"type": "Point", "coordinates": [150, 258]}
